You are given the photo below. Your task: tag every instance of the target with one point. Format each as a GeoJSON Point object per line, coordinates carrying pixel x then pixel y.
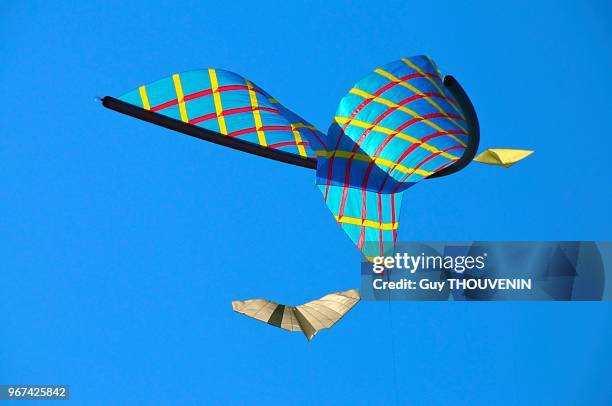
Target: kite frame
{"type": "Point", "coordinates": [217, 138]}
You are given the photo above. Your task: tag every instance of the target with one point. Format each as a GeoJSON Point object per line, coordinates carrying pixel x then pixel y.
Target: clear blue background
{"type": "Point", "coordinates": [122, 244]}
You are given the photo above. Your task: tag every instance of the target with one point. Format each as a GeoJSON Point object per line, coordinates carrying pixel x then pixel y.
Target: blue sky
{"type": "Point", "coordinates": [122, 244]}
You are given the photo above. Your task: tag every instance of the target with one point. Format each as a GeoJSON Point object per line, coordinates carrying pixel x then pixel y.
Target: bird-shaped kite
{"type": "Point", "coordinates": [402, 123]}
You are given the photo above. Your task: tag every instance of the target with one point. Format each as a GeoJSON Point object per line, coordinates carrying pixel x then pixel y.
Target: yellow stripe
{"type": "Point", "coordinates": [378, 128]}
{"type": "Point", "coordinates": [179, 97]}
{"type": "Point", "coordinates": [413, 113]}
{"type": "Point", "coordinates": [298, 140]}
{"type": "Point", "coordinates": [366, 223]}
{"type": "Point", "coordinates": [417, 91]}
{"type": "Point", "coordinates": [214, 84]}
{"type": "Point", "coordinates": [438, 71]}
{"type": "Point", "coordinates": [145, 99]}
{"type": "Point", "coordinates": [261, 136]}
{"type": "Point", "coordinates": [430, 80]}
{"type": "Point", "coordinates": [303, 125]}
{"type": "Point", "coordinates": [378, 160]}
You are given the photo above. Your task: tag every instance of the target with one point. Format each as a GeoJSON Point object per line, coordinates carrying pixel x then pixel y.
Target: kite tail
{"type": "Point", "coordinates": [370, 219]}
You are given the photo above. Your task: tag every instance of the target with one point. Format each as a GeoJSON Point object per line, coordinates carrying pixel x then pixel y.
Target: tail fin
{"type": "Point", "coordinates": [505, 157]}
{"type": "Point", "coordinates": [308, 318]}
{"type": "Point", "coordinates": [370, 219]}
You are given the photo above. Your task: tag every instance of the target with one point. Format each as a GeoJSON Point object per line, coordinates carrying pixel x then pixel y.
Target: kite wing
{"type": "Point", "coordinates": [224, 108]}
{"type": "Point", "coordinates": [395, 127]}
{"type": "Point", "coordinates": [308, 318]}
{"type": "Point", "coordinates": [269, 312]}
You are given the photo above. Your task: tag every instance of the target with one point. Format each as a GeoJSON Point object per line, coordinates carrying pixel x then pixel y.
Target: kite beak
{"type": "Point", "coordinates": [505, 157]}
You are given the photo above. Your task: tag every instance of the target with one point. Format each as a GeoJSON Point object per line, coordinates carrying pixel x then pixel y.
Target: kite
{"type": "Point", "coordinates": [308, 318]}
{"type": "Point", "coordinates": [403, 123]}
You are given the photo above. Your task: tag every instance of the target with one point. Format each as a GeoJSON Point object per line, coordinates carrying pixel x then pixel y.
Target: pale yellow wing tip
{"type": "Point", "coordinates": [505, 157]}
{"type": "Point", "coordinates": [352, 293]}
{"type": "Point", "coordinates": [237, 305]}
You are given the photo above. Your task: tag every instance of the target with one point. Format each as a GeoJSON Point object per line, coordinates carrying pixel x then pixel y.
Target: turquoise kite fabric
{"type": "Point", "coordinates": [232, 106]}
{"type": "Point", "coordinates": [394, 128]}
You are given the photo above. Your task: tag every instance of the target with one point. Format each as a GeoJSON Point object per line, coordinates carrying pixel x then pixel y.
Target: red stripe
{"type": "Point", "coordinates": [344, 193]}
{"type": "Point", "coordinates": [412, 148]}
{"type": "Point", "coordinates": [205, 117]}
{"type": "Point", "coordinates": [393, 218]}
{"type": "Point", "coordinates": [227, 88]}
{"type": "Point", "coordinates": [237, 110]}
{"type": "Point", "coordinates": [269, 109]}
{"type": "Point", "coordinates": [286, 144]}
{"type": "Point", "coordinates": [403, 79]}
{"type": "Point", "coordinates": [423, 162]}
{"type": "Point", "coordinates": [229, 112]}
{"type": "Point", "coordinates": [426, 117]}
{"type": "Point", "coordinates": [443, 166]}
{"type": "Point", "coordinates": [275, 127]}
{"type": "Point", "coordinates": [429, 158]}
{"type": "Point", "coordinates": [263, 128]}
{"type": "Point", "coordinates": [364, 210]}
{"type": "Point", "coordinates": [164, 105]}
{"type": "Point", "coordinates": [248, 109]}
{"type": "Point", "coordinates": [314, 134]}
{"type": "Point", "coordinates": [203, 93]}
{"type": "Point", "coordinates": [380, 231]}
{"type": "Point", "coordinates": [423, 140]}
{"type": "Point", "coordinates": [196, 95]}
{"type": "Point", "coordinates": [423, 95]}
